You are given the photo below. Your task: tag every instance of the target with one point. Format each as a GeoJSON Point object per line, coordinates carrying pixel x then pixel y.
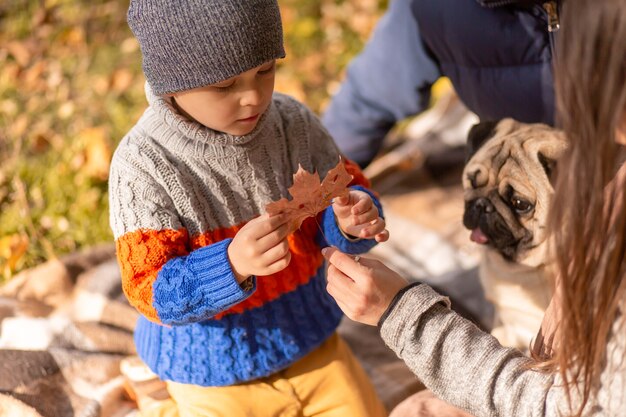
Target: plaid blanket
{"type": "Point", "coordinates": [65, 328]}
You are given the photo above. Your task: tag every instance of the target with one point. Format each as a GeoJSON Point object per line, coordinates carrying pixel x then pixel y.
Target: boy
{"type": "Point", "coordinates": [235, 315]}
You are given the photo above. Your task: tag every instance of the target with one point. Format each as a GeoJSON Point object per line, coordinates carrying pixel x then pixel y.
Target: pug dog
{"type": "Point", "coordinates": [507, 193]}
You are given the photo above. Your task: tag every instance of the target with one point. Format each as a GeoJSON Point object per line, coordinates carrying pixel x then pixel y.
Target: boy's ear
{"type": "Point", "coordinates": [479, 134]}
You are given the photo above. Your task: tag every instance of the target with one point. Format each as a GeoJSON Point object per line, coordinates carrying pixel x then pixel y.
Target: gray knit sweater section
{"type": "Point", "coordinates": [471, 370]}
{"type": "Point", "coordinates": [170, 172]}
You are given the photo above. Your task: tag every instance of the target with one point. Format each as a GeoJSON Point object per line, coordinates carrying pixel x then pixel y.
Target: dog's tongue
{"type": "Point", "coordinates": [478, 236]}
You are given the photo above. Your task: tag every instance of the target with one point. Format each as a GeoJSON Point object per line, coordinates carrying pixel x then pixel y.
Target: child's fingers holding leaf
{"type": "Point", "coordinates": [276, 253]}
{"type": "Point", "coordinates": [375, 229]}
{"type": "Point", "coordinates": [248, 249]}
{"type": "Point", "coordinates": [360, 217]}
{"type": "Point", "coordinates": [343, 209]}
{"type": "Point", "coordinates": [276, 235]}
{"type": "Point", "coordinates": [362, 203]}
{"type": "Point", "coordinates": [342, 206]}
{"type": "Point", "coordinates": [382, 236]}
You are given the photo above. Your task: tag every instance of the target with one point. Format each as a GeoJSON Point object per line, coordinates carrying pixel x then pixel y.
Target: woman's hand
{"type": "Point", "coordinates": [363, 289]}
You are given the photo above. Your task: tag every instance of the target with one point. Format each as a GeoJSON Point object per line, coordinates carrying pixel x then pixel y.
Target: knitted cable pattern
{"type": "Point", "coordinates": [179, 192]}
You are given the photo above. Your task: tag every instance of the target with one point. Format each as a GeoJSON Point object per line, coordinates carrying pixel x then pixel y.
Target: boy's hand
{"type": "Point", "coordinates": [358, 216]}
{"type": "Point", "coordinates": [260, 247]}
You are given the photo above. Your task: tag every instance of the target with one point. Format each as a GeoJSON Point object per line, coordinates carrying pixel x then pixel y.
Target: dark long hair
{"type": "Point", "coordinates": [588, 218]}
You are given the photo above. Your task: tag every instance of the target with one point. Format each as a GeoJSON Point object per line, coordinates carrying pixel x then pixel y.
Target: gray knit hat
{"type": "Point", "coordinates": [192, 43]}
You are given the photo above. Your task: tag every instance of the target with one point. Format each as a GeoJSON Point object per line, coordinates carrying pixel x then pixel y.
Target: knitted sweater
{"type": "Point", "coordinates": [468, 368]}
{"type": "Point", "coordinates": [179, 192]}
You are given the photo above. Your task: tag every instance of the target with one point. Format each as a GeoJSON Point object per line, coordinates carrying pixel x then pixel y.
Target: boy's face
{"type": "Point", "coordinates": [234, 105]}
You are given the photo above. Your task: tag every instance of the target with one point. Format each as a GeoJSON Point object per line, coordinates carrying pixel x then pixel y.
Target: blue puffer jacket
{"type": "Point", "coordinates": [497, 53]}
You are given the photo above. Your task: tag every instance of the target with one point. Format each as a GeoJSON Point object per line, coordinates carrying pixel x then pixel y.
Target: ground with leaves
{"type": "Point", "coordinates": [71, 86]}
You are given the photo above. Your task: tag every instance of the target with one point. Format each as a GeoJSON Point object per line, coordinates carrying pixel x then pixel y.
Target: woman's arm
{"type": "Point", "coordinates": [463, 365]}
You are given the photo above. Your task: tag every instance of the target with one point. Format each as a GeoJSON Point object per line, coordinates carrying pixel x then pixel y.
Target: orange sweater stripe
{"type": "Point", "coordinates": [143, 253]}
{"type": "Point", "coordinates": [357, 175]}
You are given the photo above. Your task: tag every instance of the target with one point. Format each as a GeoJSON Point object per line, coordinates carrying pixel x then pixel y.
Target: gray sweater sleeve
{"type": "Point", "coordinates": [469, 368]}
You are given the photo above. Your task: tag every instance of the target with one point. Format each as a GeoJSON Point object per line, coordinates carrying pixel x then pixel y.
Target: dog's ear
{"type": "Point", "coordinates": [550, 151]}
{"type": "Point", "coordinates": [548, 164]}
{"type": "Point", "coordinates": [479, 134]}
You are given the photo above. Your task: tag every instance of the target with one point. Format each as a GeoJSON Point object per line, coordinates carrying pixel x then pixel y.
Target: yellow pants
{"type": "Point", "coordinates": [328, 382]}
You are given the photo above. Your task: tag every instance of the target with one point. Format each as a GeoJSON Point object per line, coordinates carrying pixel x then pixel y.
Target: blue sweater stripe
{"type": "Point", "coordinates": [242, 347]}
{"type": "Point", "coordinates": [197, 286]}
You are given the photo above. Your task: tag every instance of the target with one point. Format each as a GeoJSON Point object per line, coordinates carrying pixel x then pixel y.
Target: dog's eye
{"type": "Point", "coordinates": [520, 205]}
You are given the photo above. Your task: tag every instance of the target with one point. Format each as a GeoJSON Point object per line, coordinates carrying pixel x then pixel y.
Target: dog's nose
{"type": "Point", "coordinates": [484, 204]}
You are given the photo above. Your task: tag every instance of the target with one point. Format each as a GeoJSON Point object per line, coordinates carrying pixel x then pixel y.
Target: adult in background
{"type": "Point", "coordinates": [497, 53]}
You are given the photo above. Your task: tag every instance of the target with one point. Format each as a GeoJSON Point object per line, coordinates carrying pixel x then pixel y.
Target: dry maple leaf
{"type": "Point", "coordinates": [309, 196]}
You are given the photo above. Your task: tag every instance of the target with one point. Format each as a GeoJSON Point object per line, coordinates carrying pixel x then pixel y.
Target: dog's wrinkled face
{"type": "Point", "coordinates": [507, 186]}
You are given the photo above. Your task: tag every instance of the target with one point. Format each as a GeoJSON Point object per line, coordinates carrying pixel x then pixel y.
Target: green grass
{"type": "Point", "coordinates": [71, 86]}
